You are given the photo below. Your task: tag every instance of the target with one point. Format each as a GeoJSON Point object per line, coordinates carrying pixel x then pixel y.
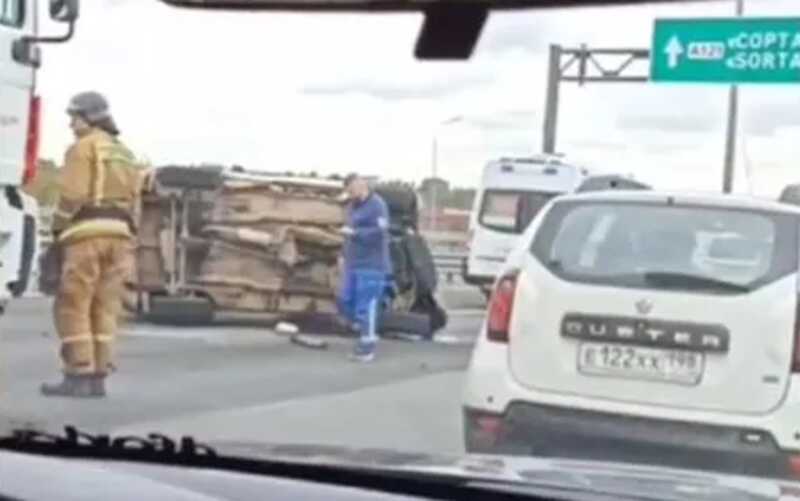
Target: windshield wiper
{"type": "Point", "coordinates": [689, 281]}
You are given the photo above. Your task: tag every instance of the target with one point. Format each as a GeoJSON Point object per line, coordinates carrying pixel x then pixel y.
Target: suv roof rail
{"type": "Point", "coordinates": [610, 182]}
{"type": "Point", "coordinates": [554, 158]}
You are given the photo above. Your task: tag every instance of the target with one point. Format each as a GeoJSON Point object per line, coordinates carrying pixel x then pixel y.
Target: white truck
{"type": "Point", "coordinates": [20, 109]}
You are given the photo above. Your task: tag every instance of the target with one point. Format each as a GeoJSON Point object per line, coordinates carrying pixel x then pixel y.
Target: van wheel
{"type": "Point", "coordinates": [401, 201]}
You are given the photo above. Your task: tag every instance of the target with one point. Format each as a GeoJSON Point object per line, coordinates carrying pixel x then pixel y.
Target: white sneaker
{"type": "Point", "coordinates": [363, 352]}
{"type": "Point", "coordinates": [362, 357]}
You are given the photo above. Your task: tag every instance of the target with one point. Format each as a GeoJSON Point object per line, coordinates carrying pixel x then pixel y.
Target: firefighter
{"type": "Point", "coordinates": [93, 227]}
{"type": "Point", "coordinates": [367, 264]}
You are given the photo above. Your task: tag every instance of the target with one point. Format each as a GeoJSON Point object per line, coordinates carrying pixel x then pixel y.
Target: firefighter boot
{"type": "Point", "coordinates": [71, 386]}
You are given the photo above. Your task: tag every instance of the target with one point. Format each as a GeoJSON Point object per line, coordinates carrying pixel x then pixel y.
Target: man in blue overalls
{"type": "Point", "coordinates": [367, 264]}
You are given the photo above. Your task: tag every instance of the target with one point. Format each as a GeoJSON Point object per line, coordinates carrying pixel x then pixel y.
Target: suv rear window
{"type": "Point", "coordinates": [510, 211]}
{"type": "Point", "coordinates": [697, 248]}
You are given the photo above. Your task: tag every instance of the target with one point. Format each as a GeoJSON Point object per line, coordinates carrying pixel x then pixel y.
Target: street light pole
{"type": "Point", "coordinates": [730, 135]}
{"type": "Point", "coordinates": [435, 168]}
{"type": "Point", "coordinates": [434, 176]}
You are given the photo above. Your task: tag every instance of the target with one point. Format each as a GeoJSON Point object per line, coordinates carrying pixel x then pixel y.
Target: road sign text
{"type": "Point", "coordinates": [730, 50]}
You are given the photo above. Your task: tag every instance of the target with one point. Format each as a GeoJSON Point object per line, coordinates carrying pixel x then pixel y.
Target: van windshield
{"type": "Point", "coordinates": [510, 211]}
{"type": "Point", "coordinates": [683, 247]}
{"type": "Point", "coordinates": [10, 13]}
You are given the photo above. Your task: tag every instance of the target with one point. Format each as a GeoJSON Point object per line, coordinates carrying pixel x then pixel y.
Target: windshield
{"type": "Point", "coordinates": [266, 227]}
{"type": "Point", "coordinates": [634, 244]}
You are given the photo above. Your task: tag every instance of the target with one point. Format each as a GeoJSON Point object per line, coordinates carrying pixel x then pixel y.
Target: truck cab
{"type": "Point", "coordinates": [20, 109]}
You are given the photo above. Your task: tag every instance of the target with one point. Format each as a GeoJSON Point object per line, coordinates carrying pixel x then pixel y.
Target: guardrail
{"type": "Point", "coordinates": [449, 264]}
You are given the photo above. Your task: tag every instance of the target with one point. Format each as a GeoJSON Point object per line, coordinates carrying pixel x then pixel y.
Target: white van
{"type": "Point", "coordinates": [19, 135]}
{"type": "Point", "coordinates": [512, 192]}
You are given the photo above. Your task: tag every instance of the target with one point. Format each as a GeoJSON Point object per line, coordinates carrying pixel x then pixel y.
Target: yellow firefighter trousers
{"type": "Point", "coordinates": [87, 305]}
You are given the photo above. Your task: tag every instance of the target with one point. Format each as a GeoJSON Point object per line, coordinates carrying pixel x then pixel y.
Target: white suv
{"type": "Point", "coordinates": [645, 326]}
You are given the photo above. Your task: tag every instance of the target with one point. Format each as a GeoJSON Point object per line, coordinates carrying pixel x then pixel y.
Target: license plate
{"type": "Point", "coordinates": [635, 362]}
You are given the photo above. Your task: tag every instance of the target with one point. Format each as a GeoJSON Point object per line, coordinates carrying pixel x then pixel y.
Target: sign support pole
{"type": "Point", "coordinates": [551, 100]}
{"type": "Point", "coordinates": [586, 65]}
{"type": "Point", "coordinates": [733, 117]}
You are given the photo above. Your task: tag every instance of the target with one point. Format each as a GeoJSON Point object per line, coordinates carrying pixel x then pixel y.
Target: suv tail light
{"type": "Point", "coordinates": [501, 305]}
{"type": "Point", "coordinates": [32, 140]}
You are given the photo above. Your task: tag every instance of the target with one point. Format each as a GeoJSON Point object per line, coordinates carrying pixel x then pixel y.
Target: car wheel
{"type": "Point", "coordinates": [189, 178]}
{"type": "Point", "coordinates": [426, 304]}
{"type": "Point", "coordinates": [401, 201]}
{"type": "Point", "coordinates": [422, 264]}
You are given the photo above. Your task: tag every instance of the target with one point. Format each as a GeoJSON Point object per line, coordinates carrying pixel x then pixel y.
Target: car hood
{"type": "Point", "coordinates": [620, 479]}
{"type": "Point", "coordinates": [35, 477]}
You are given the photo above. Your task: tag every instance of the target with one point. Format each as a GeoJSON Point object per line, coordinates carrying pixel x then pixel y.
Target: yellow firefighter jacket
{"type": "Point", "coordinates": [99, 186]}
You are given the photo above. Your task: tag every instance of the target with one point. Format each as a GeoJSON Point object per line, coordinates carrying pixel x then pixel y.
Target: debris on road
{"type": "Point", "coordinates": [309, 341]}
{"type": "Point", "coordinates": [402, 336]}
{"type": "Point", "coordinates": [286, 328]}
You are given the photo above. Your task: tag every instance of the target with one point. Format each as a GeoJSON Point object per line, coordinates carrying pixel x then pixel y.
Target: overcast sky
{"type": "Point", "coordinates": [336, 93]}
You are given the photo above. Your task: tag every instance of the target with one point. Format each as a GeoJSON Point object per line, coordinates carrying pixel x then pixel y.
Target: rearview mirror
{"type": "Point", "coordinates": [64, 11]}
{"type": "Point", "coordinates": [451, 27]}
{"type": "Point", "coordinates": [396, 5]}
{"type": "Point", "coordinates": [27, 53]}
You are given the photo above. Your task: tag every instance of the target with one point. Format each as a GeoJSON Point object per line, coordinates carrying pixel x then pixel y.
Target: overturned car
{"type": "Point", "coordinates": [212, 240]}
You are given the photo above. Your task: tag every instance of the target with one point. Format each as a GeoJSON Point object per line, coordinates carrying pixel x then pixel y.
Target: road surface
{"type": "Point", "coordinates": [246, 382]}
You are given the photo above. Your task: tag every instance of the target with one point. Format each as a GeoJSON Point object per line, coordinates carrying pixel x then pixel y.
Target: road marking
{"type": "Point", "coordinates": [673, 51]}
{"type": "Point", "coordinates": [451, 339]}
{"type": "Point", "coordinates": [302, 409]}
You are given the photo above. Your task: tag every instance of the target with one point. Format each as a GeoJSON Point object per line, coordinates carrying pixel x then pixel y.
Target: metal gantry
{"type": "Point", "coordinates": [584, 65]}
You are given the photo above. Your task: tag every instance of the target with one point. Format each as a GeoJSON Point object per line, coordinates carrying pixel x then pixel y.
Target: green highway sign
{"type": "Point", "coordinates": [726, 50]}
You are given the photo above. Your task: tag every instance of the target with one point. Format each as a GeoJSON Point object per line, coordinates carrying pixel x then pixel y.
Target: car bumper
{"type": "Point", "coordinates": [484, 281]}
{"type": "Point", "coordinates": [550, 431]}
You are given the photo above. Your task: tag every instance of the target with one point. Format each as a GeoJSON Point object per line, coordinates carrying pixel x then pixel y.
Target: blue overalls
{"type": "Point", "coordinates": [367, 267]}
